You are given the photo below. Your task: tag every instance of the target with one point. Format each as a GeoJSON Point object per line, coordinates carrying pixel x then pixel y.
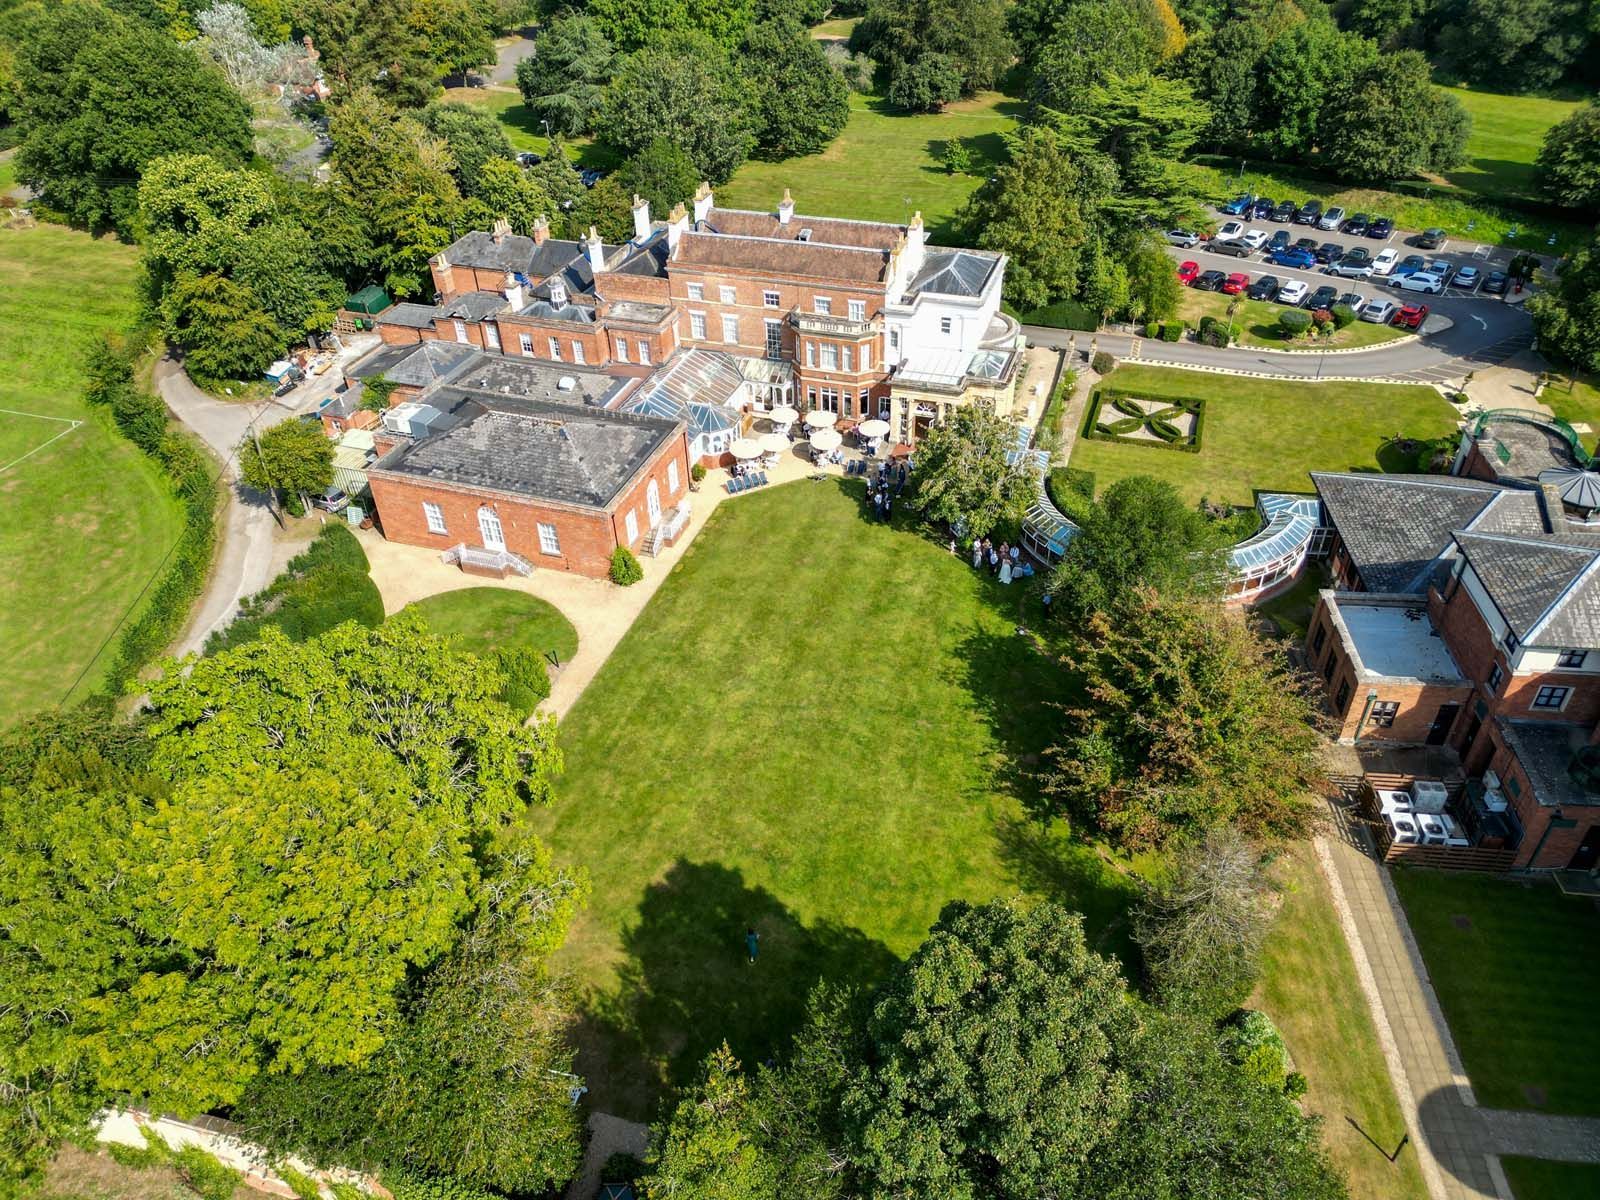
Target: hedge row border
{"type": "Point", "coordinates": [1097, 399]}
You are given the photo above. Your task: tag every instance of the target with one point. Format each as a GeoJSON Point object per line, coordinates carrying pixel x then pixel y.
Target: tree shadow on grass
{"type": "Point", "coordinates": [687, 984]}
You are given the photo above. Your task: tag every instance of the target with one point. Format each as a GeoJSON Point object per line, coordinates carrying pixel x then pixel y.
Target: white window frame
{"type": "Point", "coordinates": [894, 338]}
{"type": "Point", "coordinates": [858, 310]}
{"type": "Point", "coordinates": [772, 347]}
{"type": "Point", "coordinates": [696, 291]}
{"type": "Point", "coordinates": [730, 329]}
{"type": "Point", "coordinates": [434, 516]}
{"type": "Point", "coordinates": [630, 527]}
{"type": "Point", "coordinates": [866, 356]}
{"type": "Point", "coordinates": [525, 342]}
{"type": "Point", "coordinates": [822, 306]}
{"type": "Point", "coordinates": [555, 350]}
{"type": "Point", "coordinates": [644, 353]}
{"type": "Point", "coordinates": [771, 299]}
{"type": "Point", "coordinates": [811, 354]}
{"type": "Point", "coordinates": [727, 295]}
{"type": "Point", "coordinates": [549, 540]}
{"type": "Point", "coordinates": [578, 354]}
{"type": "Point", "coordinates": [697, 326]}
{"type": "Point", "coordinates": [672, 478]}
{"type": "Point", "coordinates": [847, 358]}
{"type": "Point", "coordinates": [491, 334]}
{"type": "Point", "coordinates": [461, 332]}
{"type": "Point", "coordinates": [622, 350]}
{"type": "Point", "coordinates": [830, 357]}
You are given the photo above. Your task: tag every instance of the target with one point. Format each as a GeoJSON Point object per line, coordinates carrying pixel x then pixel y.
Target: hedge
{"type": "Point", "coordinates": [1294, 321]}
{"type": "Point", "coordinates": [1103, 363]}
{"type": "Point", "coordinates": [527, 678]}
{"type": "Point", "coordinates": [1343, 314]}
{"type": "Point", "coordinates": [1168, 435]}
{"type": "Point", "coordinates": [1063, 314]}
{"type": "Point", "coordinates": [142, 418]}
{"type": "Point", "coordinates": [323, 586]}
{"type": "Point", "coordinates": [1172, 331]}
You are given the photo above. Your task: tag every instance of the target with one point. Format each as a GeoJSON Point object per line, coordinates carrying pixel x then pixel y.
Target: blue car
{"type": "Point", "coordinates": [1409, 265]}
{"type": "Point", "coordinates": [1239, 206]}
{"type": "Point", "coordinates": [1294, 257]}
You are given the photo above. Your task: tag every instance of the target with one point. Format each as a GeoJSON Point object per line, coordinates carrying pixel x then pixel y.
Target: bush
{"type": "Point", "coordinates": [1172, 331]}
{"type": "Point", "coordinates": [1343, 315]}
{"type": "Point", "coordinates": [1103, 363]}
{"type": "Point", "coordinates": [625, 568]}
{"type": "Point", "coordinates": [1294, 322]}
{"type": "Point", "coordinates": [323, 586]}
{"type": "Point", "coordinates": [697, 472]}
{"type": "Point", "coordinates": [1254, 1044]}
{"type": "Point", "coordinates": [1218, 334]}
{"type": "Point", "coordinates": [301, 1184]}
{"type": "Point", "coordinates": [1152, 329]}
{"type": "Point", "coordinates": [957, 158]}
{"type": "Point", "coordinates": [527, 678]}
{"type": "Point", "coordinates": [204, 1175]}
{"type": "Point", "coordinates": [1063, 314]}
{"type": "Point", "coordinates": [405, 1185]}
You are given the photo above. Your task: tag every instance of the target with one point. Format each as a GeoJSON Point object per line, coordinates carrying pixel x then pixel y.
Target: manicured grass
{"type": "Point", "coordinates": [1512, 963]}
{"type": "Point", "coordinates": [819, 726]}
{"type": "Point", "coordinates": [1268, 434]}
{"type": "Point", "coordinates": [840, 28]}
{"type": "Point", "coordinates": [1537, 1179]}
{"type": "Point", "coordinates": [8, 173]}
{"type": "Point", "coordinates": [1578, 404]}
{"type": "Point", "coordinates": [524, 130]}
{"type": "Point", "coordinates": [1258, 322]}
{"type": "Point", "coordinates": [486, 619]}
{"type": "Point", "coordinates": [885, 165]}
{"type": "Point", "coordinates": [1308, 987]}
{"type": "Point", "coordinates": [88, 518]}
{"type": "Point", "coordinates": [1507, 132]}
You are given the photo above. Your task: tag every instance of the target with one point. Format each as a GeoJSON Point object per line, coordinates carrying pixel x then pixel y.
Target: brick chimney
{"type": "Point", "coordinates": [501, 230]}
{"type": "Point", "coordinates": [677, 226]}
{"type": "Point", "coordinates": [541, 230]}
{"type": "Point", "coordinates": [702, 202]}
{"type": "Point", "coordinates": [785, 208]}
{"type": "Point", "coordinates": [444, 276]}
{"type": "Point", "coordinates": [512, 290]}
{"type": "Point", "coordinates": [641, 218]}
{"type": "Point", "coordinates": [597, 252]}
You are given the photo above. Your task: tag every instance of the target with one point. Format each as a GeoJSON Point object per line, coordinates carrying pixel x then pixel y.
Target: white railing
{"type": "Point", "coordinates": [488, 560]}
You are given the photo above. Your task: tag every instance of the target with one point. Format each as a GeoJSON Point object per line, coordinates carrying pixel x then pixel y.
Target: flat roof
{"type": "Point", "coordinates": [1396, 640]}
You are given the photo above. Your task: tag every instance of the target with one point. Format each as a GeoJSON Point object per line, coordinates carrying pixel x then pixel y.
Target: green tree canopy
{"type": "Point", "coordinates": [607, 208]}
{"type": "Point", "coordinates": [1300, 71]}
{"type": "Point", "coordinates": [662, 173]}
{"type": "Point", "coordinates": [1389, 121]}
{"type": "Point", "coordinates": [473, 137]}
{"type": "Point", "coordinates": [563, 81]}
{"type": "Point", "coordinates": [506, 190]}
{"type": "Point", "coordinates": [293, 458]}
{"type": "Point", "coordinates": [801, 103]}
{"type": "Point", "coordinates": [962, 474]}
{"type": "Point", "coordinates": [634, 24]}
{"type": "Point", "coordinates": [1524, 45]}
{"type": "Point", "coordinates": [1569, 160]}
{"type": "Point", "coordinates": [1061, 75]}
{"type": "Point", "coordinates": [1566, 312]}
{"type": "Point", "coordinates": [968, 41]}
{"type": "Point", "coordinates": [221, 327]}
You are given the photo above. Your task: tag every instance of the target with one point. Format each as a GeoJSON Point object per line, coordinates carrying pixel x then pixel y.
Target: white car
{"type": "Point", "coordinates": [1422, 281]}
{"type": "Point", "coordinates": [1385, 260]}
{"type": "Point", "coordinates": [1293, 293]}
{"type": "Point", "coordinates": [1380, 311]}
{"type": "Point", "coordinates": [1256, 239]}
{"type": "Point", "coordinates": [1230, 231]}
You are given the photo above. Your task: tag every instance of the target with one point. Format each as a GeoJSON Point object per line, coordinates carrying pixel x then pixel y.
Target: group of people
{"type": "Point", "coordinates": [1004, 561]}
{"type": "Point", "coordinates": [882, 488]}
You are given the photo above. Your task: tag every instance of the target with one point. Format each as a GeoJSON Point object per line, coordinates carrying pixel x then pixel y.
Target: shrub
{"type": "Point", "coordinates": [1294, 322]}
{"type": "Point", "coordinates": [323, 586]}
{"type": "Point", "coordinates": [1343, 314]}
{"type": "Point", "coordinates": [1217, 334]}
{"type": "Point", "coordinates": [957, 158]}
{"type": "Point", "coordinates": [1102, 363]}
{"type": "Point", "coordinates": [1126, 406]}
{"type": "Point", "coordinates": [408, 1186]}
{"type": "Point", "coordinates": [1295, 1085]}
{"type": "Point", "coordinates": [1152, 329]}
{"type": "Point", "coordinates": [697, 472]}
{"type": "Point", "coordinates": [301, 1184]}
{"type": "Point", "coordinates": [1165, 430]}
{"type": "Point", "coordinates": [1321, 317]}
{"type": "Point", "coordinates": [1253, 1042]}
{"type": "Point", "coordinates": [204, 1175]}
{"type": "Point", "coordinates": [1172, 331]}
{"type": "Point", "coordinates": [625, 568]}
{"type": "Point", "coordinates": [346, 1191]}
{"type": "Point", "coordinates": [527, 678]}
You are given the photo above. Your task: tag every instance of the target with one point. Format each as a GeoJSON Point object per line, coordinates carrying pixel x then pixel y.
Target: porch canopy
{"type": "Point", "coordinates": [820, 418]}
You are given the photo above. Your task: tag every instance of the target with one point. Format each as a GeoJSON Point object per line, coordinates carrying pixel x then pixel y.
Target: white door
{"type": "Point", "coordinates": [494, 537]}
{"type": "Point", "coordinates": [652, 500]}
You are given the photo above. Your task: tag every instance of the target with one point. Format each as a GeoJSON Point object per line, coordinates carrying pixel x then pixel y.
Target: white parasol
{"type": "Point", "coordinates": [873, 430]}
{"type": "Point", "coordinates": [745, 449]}
{"type": "Point", "coordinates": [773, 443]}
{"type": "Point", "coordinates": [783, 415]}
{"type": "Point", "coordinates": [824, 441]}
{"type": "Point", "coordinates": [820, 418]}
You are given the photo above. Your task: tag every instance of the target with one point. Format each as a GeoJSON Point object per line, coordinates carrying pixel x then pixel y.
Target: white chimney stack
{"type": "Point", "coordinates": [916, 239]}
{"type": "Point", "coordinates": [677, 226]}
{"type": "Point", "coordinates": [641, 218]}
{"type": "Point", "coordinates": [785, 208]}
{"type": "Point", "coordinates": [541, 230]}
{"type": "Point", "coordinates": [702, 202]}
{"type": "Point", "coordinates": [597, 253]}
{"type": "Point", "coordinates": [513, 291]}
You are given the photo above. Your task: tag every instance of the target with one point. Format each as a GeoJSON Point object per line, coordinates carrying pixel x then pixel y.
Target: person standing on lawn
{"type": "Point", "coordinates": [752, 941]}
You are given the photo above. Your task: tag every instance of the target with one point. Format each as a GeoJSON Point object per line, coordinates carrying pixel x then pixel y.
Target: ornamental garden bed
{"type": "Point", "coordinates": [1171, 422]}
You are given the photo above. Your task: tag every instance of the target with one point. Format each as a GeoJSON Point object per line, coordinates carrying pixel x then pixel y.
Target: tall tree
{"type": "Point", "coordinates": [801, 103]}
{"type": "Point", "coordinates": [1390, 121]}
{"type": "Point", "coordinates": [1522, 45]}
{"type": "Point", "coordinates": [1299, 73]}
{"type": "Point", "coordinates": [1062, 77]}
{"type": "Point", "coordinates": [662, 173]}
{"type": "Point", "coordinates": [1569, 160]}
{"type": "Point", "coordinates": [455, 35]}
{"type": "Point", "coordinates": [220, 326]}
{"type": "Point", "coordinates": [506, 190]}
{"type": "Point", "coordinates": [634, 24]}
{"type": "Point", "coordinates": [292, 458]}
{"type": "Point", "coordinates": [968, 41]}
{"type": "Point", "coordinates": [1191, 721]}
{"type": "Point", "coordinates": [962, 474]}
{"type": "Point", "coordinates": [473, 137]}
{"type": "Point", "coordinates": [1566, 313]}
{"type": "Point", "coordinates": [563, 81]}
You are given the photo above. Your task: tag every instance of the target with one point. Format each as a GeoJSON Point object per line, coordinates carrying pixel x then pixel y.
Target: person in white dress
{"type": "Point", "coordinates": [1005, 569]}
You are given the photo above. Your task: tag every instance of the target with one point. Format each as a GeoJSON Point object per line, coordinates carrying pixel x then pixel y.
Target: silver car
{"type": "Point", "coordinates": [1379, 311]}
{"type": "Point", "coordinates": [1332, 219]}
{"type": "Point", "coordinates": [1183, 238]}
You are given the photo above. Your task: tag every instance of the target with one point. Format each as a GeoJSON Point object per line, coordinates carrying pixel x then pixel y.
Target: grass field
{"type": "Point", "coordinates": [1509, 961]}
{"type": "Point", "coordinates": [1308, 987]}
{"type": "Point", "coordinates": [819, 726]}
{"type": "Point", "coordinates": [885, 165]}
{"type": "Point", "coordinates": [841, 28]}
{"type": "Point", "coordinates": [1507, 132]}
{"type": "Point", "coordinates": [523, 129]}
{"type": "Point", "coordinates": [1258, 321]}
{"type": "Point", "coordinates": [486, 619]}
{"type": "Point", "coordinates": [1267, 435]}
{"type": "Point", "coordinates": [88, 518]}
{"type": "Point", "coordinates": [1577, 405]}
{"type": "Point", "coordinates": [1537, 1179]}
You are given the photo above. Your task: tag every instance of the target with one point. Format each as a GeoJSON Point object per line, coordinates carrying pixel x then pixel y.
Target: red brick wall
{"type": "Point", "coordinates": [636, 499]}
{"type": "Point", "coordinates": [649, 289]}
{"type": "Point", "coordinates": [1475, 466]}
{"type": "Point", "coordinates": [596, 347]}
{"type": "Point", "coordinates": [400, 335]}
{"type": "Point", "coordinates": [750, 306]}
{"type": "Point", "coordinates": [360, 419]}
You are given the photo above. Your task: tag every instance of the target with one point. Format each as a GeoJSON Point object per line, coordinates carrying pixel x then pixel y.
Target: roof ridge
{"type": "Point", "coordinates": [758, 212]}
{"type": "Point", "coordinates": [1563, 596]}
{"type": "Point", "coordinates": [756, 237]}
{"type": "Point", "coordinates": [1460, 484]}
{"type": "Point", "coordinates": [1547, 541]}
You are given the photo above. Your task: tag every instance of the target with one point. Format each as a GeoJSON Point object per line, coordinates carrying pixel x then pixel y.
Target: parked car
{"type": "Point", "coordinates": [1385, 261]}
{"type": "Point", "coordinates": [1431, 239]}
{"type": "Point", "coordinates": [1331, 219]}
{"type": "Point", "coordinates": [1356, 264]}
{"type": "Point", "coordinates": [1292, 292]}
{"type": "Point", "coordinates": [1356, 226]}
{"type": "Point", "coordinates": [1467, 279]}
{"type": "Point", "coordinates": [1229, 229]}
{"type": "Point", "coordinates": [1309, 245]}
{"type": "Point", "coordinates": [332, 500]}
{"type": "Point", "coordinates": [590, 176]}
{"type": "Point", "coordinates": [1308, 213]}
{"type": "Point", "coordinates": [1422, 281]}
{"type": "Point", "coordinates": [1256, 239]}
{"type": "Point", "coordinates": [1182, 238]}
{"type": "Point", "coordinates": [1379, 311]}
{"type": "Point", "coordinates": [1285, 211]}
{"type": "Point", "coordinates": [1294, 256]}
{"type": "Point", "coordinates": [1235, 283]}
{"type": "Point", "coordinates": [1323, 297]}
{"type": "Point", "coordinates": [1187, 272]}
{"type": "Point", "coordinates": [1266, 287]}
{"type": "Point", "coordinates": [1495, 283]}
{"type": "Point", "coordinates": [1381, 227]}
{"type": "Point", "coordinates": [1262, 208]}
{"type": "Point", "coordinates": [1280, 241]}
{"type": "Point", "coordinates": [1354, 301]}
{"type": "Point", "coordinates": [1444, 270]}
{"type": "Point", "coordinates": [529, 159]}
{"type": "Point", "coordinates": [1209, 281]}
{"type": "Point", "coordinates": [1239, 205]}
{"type": "Point", "coordinates": [1329, 253]}
{"type": "Point", "coordinates": [1229, 246]}
{"type": "Point", "coordinates": [1409, 265]}
{"type": "Point", "coordinates": [1411, 316]}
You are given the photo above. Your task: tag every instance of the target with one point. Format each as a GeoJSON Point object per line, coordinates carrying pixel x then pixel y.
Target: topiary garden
{"type": "Point", "coordinates": [1170, 422]}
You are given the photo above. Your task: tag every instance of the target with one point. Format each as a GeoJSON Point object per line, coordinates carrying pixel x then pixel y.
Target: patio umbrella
{"type": "Point", "coordinates": [773, 443]}
{"type": "Point", "coordinates": [825, 441]}
{"type": "Point", "coordinates": [873, 429]}
{"type": "Point", "coordinates": [783, 415]}
{"type": "Point", "coordinates": [745, 449]}
{"type": "Point", "coordinates": [820, 418]}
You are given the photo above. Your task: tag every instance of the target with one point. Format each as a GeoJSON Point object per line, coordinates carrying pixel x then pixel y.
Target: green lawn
{"type": "Point", "coordinates": [88, 518]}
{"type": "Point", "coordinates": [1308, 986]}
{"type": "Point", "coordinates": [885, 165]}
{"type": "Point", "coordinates": [1512, 963]}
{"type": "Point", "coordinates": [486, 619]}
{"type": "Point", "coordinates": [1537, 1179]}
{"type": "Point", "coordinates": [523, 129]}
{"type": "Point", "coordinates": [1258, 321]}
{"type": "Point", "coordinates": [841, 27]}
{"type": "Point", "coordinates": [819, 726]}
{"type": "Point", "coordinates": [1267, 434]}
{"type": "Point", "coordinates": [1577, 404]}
{"type": "Point", "coordinates": [1507, 132]}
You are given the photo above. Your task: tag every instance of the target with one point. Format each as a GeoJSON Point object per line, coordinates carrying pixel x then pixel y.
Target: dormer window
{"type": "Point", "coordinates": [558, 293]}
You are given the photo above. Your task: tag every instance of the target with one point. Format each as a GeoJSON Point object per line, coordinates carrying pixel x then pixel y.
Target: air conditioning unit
{"type": "Point", "coordinates": [1494, 800]}
{"type": "Point", "coordinates": [1428, 796]}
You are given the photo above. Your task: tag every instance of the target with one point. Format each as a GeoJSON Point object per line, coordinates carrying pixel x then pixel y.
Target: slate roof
{"type": "Point", "coordinates": [417, 365]}
{"type": "Point", "coordinates": [412, 316]}
{"type": "Point", "coordinates": [535, 448]}
{"type": "Point", "coordinates": [831, 231]}
{"type": "Point", "coordinates": [787, 258]}
{"type": "Point", "coordinates": [1521, 446]}
{"type": "Point", "coordinates": [1545, 750]}
{"type": "Point", "coordinates": [954, 272]}
{"type": "Point", "coordinates": [1395, 526]}
{"type": "Point", "coordinates": [545, 311]}
{"type": "Point", "coordinates": [648, 258]}
{"type": "Point", "coordinates": [479, 249]}
{"type": "Point", "coordinates": [534, 261]}
{"type": "Point", "coordinates": [474, 306]}
{"type": "Point", "coordinates": [503, 375]}
{"type": "Point", "coordinates": [1547, 588]}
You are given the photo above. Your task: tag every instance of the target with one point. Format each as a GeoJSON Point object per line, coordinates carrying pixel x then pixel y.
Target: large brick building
{"type": "Point", "coordinates": [1466, 613]}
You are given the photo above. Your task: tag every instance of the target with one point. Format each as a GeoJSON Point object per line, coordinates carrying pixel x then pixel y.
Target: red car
{"type": "Point", "coordinates": [1187, 272]}
{"type": "Point", "coordinates": [1236, 283]}
{"type": "Point", "coordinates": [1411, 316]}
